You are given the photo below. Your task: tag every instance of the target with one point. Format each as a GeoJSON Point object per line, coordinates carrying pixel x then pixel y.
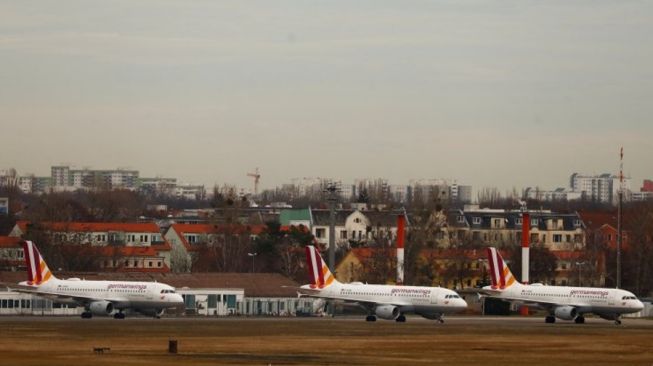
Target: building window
{"type": "Point", "coordinates": [149, 264]}
{"type": "Point", "coordinates": [460, 219]}
{"type": "Point", "coordinates": [320, 232]}
{"type": "Point", "coordinates": [158, 264]}
{"type": "Point", "coordinates": [343, 234]}
{"type": "Point", "coordinates": [476, 220]}
{"type": "Point", "coordinates": [518, 221]}
{"type": "Point", "coordinates": [533, 222]}
{"type": "Point", "coordinates": [557, 238]}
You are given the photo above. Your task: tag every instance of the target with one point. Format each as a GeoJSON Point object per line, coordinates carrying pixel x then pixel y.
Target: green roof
{"type": "Point", "coordinates": [296, 214]}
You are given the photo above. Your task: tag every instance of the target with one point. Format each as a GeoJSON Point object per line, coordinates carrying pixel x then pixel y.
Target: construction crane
{"type": "Point", "coordinates": [257, 177]}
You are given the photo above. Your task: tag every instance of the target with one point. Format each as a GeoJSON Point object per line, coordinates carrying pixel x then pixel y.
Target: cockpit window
{"type": "Point", "coordinates": [629, 298]}
{"type": "Point", "coordinates": [167, 291]}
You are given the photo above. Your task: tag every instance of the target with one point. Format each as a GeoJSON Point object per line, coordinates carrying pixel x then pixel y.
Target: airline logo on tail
{"type": "Point", "coordinates": [37, 271]}
{"type": "Point", "coordinates": [318, 272]}
{"type": "Point", "coordinates": [500, 274]}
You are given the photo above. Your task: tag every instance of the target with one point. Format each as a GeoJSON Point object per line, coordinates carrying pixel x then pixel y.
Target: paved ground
{"type": "Point", "coordinates": [315, 341]}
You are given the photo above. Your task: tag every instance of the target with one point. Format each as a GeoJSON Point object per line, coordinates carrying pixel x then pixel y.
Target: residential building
{"type": "Point", "coordinates": [66, 179]}
{"type": "Point", "coordinates": [603, 188]}
{"type": "Point", "coordinates": [11, 254]}
{"type": "Point", "coordinates": [163, 186]}
{"type": "Point", "coordinates": [185, 239]}
{"type": "Point", "coordinates": [558, 194]}
{"type": "Point", "coordinates": [190, 191]}
{"type": "Point", "coordinates": [4, 206]}
{"type": "Point", "coordinates": [116, 237]}
{"type": "Point", "coordinates": [501, 228]}
{"type": "Point", "coordinates": [355, 227]}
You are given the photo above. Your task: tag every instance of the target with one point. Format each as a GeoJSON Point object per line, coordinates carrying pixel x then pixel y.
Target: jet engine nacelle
{"type": "Point", "coordinates": [608, 316]}
{"type": "Point", "coordinates": [101, 307]}
{"type": "Point", "coordinates": [566, 312]}
{"type": "Point", "coordinates": [388, 312]}
{"type": "Point", "coordinates": [151, 312]}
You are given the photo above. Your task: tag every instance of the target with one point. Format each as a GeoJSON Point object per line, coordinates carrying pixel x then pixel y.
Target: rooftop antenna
{"type": "Point", "coordinates": [621, 194]}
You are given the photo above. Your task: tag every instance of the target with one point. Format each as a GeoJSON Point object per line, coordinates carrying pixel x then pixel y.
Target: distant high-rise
{"type": "Point", "coordinates": [603, 188]}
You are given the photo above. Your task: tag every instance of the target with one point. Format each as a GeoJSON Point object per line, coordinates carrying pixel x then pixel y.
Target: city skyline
{"type": "Point", "coordinates": [490, 94]}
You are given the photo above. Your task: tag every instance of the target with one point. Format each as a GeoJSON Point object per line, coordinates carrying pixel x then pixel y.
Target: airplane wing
{"type": "Point", "coordinates": [538, 303]}
{"type": "Point", "coordinates": [81, 300]}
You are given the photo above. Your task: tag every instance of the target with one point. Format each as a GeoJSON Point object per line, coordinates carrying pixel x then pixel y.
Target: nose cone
{"type": "Point", "coordinates": [460, 304]}
{"type": "Point", "coordinates": [639, 306]}
{"type": "Point", "coordinates": [177, 300]}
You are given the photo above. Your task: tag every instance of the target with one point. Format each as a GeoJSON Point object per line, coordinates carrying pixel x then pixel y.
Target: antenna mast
{"type": "Point", "coordinates": [619, 213]}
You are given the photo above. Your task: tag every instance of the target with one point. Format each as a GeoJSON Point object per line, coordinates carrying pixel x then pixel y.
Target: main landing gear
{"type": "Point", "coordinates": [580, 319]}
{"type": "Point", "coordinates": [401, 319]}
{"type": "Point", "coordinates": [87, 315]}
{"type": "Point", "coordinates": [119, 315]}
{"type": "Point", "coordinates": [617, 321]}
{"type": "Point", "coordinates": [550, 319]}
{"type": "Point", "coordinates": [370, 318]}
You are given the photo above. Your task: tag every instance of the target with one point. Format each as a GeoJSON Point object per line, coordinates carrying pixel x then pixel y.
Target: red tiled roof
{"type": "Point", "coordinates": [128, 251]}
{"type": "Point", "coordinates": [10, 242]}
{"type": "Point", "coordinates": [254, 284]}
{"type": "Point", "coordinates": [22, 225]}
{"type": "Point", "coordinates": [132, 227]}
{"type": "Point", "coordinates": [362, 253]}
{"type": "Point", "coordinates": [218, 229]}
{"type": "Point", "coordinates": [567, 254]}
{"type": "Point", "coordinates": [595, 220]}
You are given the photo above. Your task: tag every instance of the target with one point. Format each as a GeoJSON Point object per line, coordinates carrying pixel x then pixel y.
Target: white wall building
{"type": "Point", "coordinates": [603, 188]}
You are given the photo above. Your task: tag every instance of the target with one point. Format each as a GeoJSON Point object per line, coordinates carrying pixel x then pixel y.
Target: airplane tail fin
{"type": "Point", "coordinates": [318, 271]}
{"type": "Point", "coordinates": [38, 272]}
{"type": "Point", "coordinates": [500, 274]}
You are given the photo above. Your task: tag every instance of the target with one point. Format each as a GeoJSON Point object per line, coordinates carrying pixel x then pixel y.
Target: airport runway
{"type": "Point", "coordinates": [462, 340]}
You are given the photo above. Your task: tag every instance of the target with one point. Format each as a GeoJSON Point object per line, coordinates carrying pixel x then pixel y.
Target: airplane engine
{"type": "Point", "coordinates": [101, 307]}
{"type": "Point", "coordinates": [151, 312]}
{"type": "Point", "coordinates": [608, 316]}
{"type": "Point", "coordinates": [566, 312]}
{"type": "Point", "coordinates": [431, 316]}
{"type": "Point", "coordinates": [388, 312]}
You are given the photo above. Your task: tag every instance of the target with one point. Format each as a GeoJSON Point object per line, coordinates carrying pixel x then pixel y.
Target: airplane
{"type": "Point", "coordinates": [562, 302]}
{"type": "Point", "coordinates": [97, 297]}
{"type": "Point", "coordinates": [390, 302]}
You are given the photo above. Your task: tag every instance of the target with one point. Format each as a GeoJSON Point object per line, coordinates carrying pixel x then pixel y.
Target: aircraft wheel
{"type": "Point", "coordinates": [401, 319]}
{"type": "Point", "coordinates": [550, 319]}
{"type": "Point", "coordinates": [119, 316]}
{"type": "Point", "coordinates": [580, 320]}
{"type": "Point", "coordinates": [617, 322]}
{"type": "Point", "coordinates": [370, 318]}
{"type": "Point", "coordinates": [87, 315]}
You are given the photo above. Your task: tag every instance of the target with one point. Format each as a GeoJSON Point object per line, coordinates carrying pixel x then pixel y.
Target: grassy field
{"type": "Point", "coordinates": [460, 341]}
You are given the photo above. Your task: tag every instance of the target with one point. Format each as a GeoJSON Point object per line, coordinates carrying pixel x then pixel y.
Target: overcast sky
{"type": "Point", "coordinates": [491, 93]}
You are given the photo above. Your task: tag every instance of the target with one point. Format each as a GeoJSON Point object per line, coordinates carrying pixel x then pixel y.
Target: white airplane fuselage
{"type": "Point", "coordinates": [600, 301]}
{"type": "Point", "coordinates": [122, 294]}
{"type": "Point", "coordinates": [425, 301]}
